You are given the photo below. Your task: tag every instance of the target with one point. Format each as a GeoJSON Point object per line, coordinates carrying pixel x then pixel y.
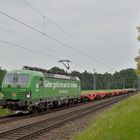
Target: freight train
{"type": "Point", "coordinates": [33, 89]}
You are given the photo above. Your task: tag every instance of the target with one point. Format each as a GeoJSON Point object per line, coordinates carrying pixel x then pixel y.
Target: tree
{"type": "Point", "coordinates": [137, 59]}
{"type": "Point", "coordinates": [129, 76]}
{"type": "Point", "coordinates": [57, 70]}
{"type": "Point", "coordinates": [107, 78]}
{"type": "Point", "coordinates": [2, 74]}
{"type": "Point", "coordinates": [125, 78]}
{"type": "Point", "coordinates": [138, 29]}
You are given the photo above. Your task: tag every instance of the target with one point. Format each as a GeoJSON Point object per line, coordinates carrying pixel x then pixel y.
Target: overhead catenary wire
{"type": "Point", "coordinates": [52, 38]}
{"type": "Point", "coordinates": [27, 39]}
{"type": "Point", "coordinates": [34, 42]}
{"type": "Point", "coordinates": [32, 50]}
{"type": "Point", "coordinates": [51, 21]}
{"type": "Point", "coordinates": [28, 49]}
{"type": "Point", "coordinates": [76, 50]}
{"type": "Point", "coordinates": [44, 17]}
{"type": "Point", "coordinates": [21, 22]}
{"type": "Point", "coordinates": [59, 27]}
{"type": "Point", "coordinates": [40, 13]}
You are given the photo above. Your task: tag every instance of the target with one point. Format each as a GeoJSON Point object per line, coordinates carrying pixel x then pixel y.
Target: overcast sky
{"type": "Point", "coordinates": [103, 34]}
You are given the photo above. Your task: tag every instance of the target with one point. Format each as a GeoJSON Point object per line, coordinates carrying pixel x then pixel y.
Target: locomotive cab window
{"type": "Point", "coordinates": [18, 79]}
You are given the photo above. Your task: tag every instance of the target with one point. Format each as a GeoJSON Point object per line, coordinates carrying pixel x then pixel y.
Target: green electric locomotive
{"type": "Point", "coordinates": [34, 89]}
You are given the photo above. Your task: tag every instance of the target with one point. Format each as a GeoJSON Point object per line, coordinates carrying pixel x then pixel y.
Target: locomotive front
{"type": "Point", "coordinates": [16, 90]}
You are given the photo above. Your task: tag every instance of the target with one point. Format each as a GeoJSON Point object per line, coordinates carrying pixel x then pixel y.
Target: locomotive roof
{"type": "Point", "coordinates": [38, 73]}
{"type": "Point", "coordinates": [59, 76]}
{"type": "Point", "coordinates": [25, 72]}
{"type": "Point", "coordinates": [48, 73]}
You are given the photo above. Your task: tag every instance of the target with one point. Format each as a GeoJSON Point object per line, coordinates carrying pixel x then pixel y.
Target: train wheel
{"type": "Point", "coordinates": [85, 100]}
{"type": "Point", "coordinates": [33, 109]}
{"type": "Point", "coordinates": [70, 102]}
{"type": "Point", "coordinates": [55, 104]}
{"type": "Point", "coordinates": [41, 107]}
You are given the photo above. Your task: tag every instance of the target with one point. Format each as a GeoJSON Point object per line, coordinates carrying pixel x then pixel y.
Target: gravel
{"type": "Point", "coordinates": [68, 130]}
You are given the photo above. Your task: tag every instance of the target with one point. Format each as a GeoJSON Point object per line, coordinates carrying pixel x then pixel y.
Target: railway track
{"type": "Point", "coordinates": [16, 117]}
{"type": "Point", "coordinates": [39, 124]}
{"type": "Point", "coordinates": [6, 119]}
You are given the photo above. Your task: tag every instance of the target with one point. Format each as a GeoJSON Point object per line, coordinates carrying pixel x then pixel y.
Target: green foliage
{"type": "Point", "coordinates": [2, 73]}
{"type": "Point", "coordinates": [137, 59]}
{"type": "Point", "coordinates": [4, 112]}
{"type": "Point", "coordinates": [121, 122]}
{"type": "Point", "coordinates": [138, 29]}
{"type": "Point", "coordinates": [57, 70]}
{"type": "Point", "coordinates": [107, 80]}
{"type": "Point", "coordinates": [129, 76]}
{"type": "Point", "coordinates": [138, 38]}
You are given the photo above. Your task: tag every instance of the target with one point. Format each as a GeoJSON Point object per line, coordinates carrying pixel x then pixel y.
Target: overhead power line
{"type": "Point", "coordinates": [35, 9]}
{"type": "Point", "coordinates": [28, 49]}
{"type": "Point", "coordinates": [29, 40]}
{"type": "Point", "coordinates": [52, 38]}
{"type": "Point", "coordinates": [36, 43]}
{"type": "Point", "coordinates": [51, 21]}
{"type": "Point", "coordinates": [21, 22]}
{"type": "Point", "coordinates": [58, 26]}
{"type": "Point", "coordinates": [40, 13]}
{"type": "Point", "coordinates": [32, 50]}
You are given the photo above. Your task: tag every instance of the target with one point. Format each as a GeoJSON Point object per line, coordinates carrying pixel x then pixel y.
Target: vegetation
{"type": "Point", "coordinates": [126, 78]}
{"type": "Point", "coordinates": [57, 70]}
{"type": "Point", "coordinates": [137, 59]}
{"type": "Point", "coordinates": [4, 112]}
{"type": "Point", "coordinates": [2, 73]}
{"type": "Point", "coordinates": [121, 122]}
{"type": "Point", "coordinates": [109, 81]}
{"type": "Point", "coordinates": [138, 28]}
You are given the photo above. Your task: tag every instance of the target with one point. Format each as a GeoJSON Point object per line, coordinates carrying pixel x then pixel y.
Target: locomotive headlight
{"type": "Point", "coordinates": [28, 95]}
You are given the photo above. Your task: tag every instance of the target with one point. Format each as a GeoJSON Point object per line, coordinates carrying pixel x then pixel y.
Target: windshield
{"type": "Point", "coordinates": [18, 79]}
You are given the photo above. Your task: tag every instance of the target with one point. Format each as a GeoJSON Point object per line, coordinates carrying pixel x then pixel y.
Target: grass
{"type": "Point", "coordinates": [3, 111]}
{"type": "Point", "coordinates": [121, 122]}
